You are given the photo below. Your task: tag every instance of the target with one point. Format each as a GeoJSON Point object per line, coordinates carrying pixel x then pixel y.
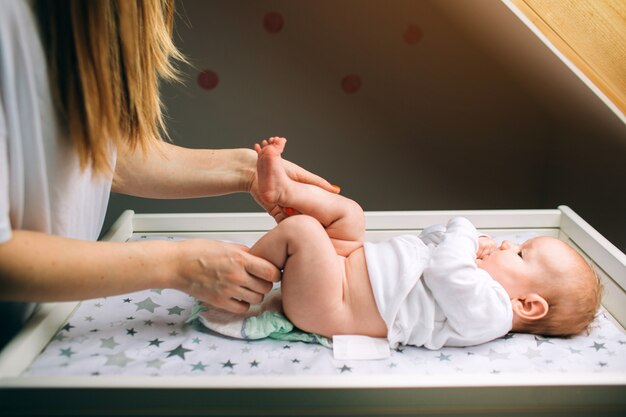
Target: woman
{"type": "Point", "coordinates": [90, 124]}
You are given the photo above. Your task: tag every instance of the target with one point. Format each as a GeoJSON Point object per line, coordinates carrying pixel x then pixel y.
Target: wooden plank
{"type": "Point", "coordinates": [591, 34]}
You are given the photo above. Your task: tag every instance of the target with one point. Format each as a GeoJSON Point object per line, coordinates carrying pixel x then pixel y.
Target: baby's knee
{"type": "Point", "coordinates": [301, 226]}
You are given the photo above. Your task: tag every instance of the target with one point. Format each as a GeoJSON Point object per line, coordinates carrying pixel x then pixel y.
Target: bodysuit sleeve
{"type": "Point", "coordinates": [476, 307]}
{"type": "Point", "coordinates": [433, 234]}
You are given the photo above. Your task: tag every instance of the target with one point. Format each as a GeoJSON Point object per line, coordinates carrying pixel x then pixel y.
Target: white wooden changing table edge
{"type": "Point", "coordinates": [526, 393]}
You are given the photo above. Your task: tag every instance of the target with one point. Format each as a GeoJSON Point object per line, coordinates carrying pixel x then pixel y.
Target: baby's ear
{"type": "Point", "coordinates": [532, 307]}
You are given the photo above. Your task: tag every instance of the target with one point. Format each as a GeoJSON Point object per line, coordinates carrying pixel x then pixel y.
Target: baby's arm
{"type": "Point", "coordinates": [434, 235]}
{"type": "Point", "coordinates": [474, 304]}
{"type": "Point", "coordinates": [486, 245]}
{"type": "Point", "coordinates": [342, 218]}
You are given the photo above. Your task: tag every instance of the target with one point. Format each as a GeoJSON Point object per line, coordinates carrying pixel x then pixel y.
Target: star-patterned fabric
{"type": "Point", "coordinates": [144, 333]}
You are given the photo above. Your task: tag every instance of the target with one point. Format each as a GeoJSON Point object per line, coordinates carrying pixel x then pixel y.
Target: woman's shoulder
{"type": "Point", "coordinates": [18, 30]}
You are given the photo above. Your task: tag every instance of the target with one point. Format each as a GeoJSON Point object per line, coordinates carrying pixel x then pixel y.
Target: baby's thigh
{"type": "Point", "coordinates": [312, 283]}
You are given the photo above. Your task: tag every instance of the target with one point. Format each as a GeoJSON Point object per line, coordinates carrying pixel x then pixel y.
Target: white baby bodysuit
{"type": "Point", "coordinates": [430, 292]}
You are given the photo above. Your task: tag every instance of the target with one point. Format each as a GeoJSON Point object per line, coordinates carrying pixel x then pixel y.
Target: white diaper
{"type": "Point", "coordinates": [264, 320]}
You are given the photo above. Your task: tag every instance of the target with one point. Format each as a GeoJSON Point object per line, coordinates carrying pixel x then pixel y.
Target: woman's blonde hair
{"type": "Point", "coordinates": [105, 59]}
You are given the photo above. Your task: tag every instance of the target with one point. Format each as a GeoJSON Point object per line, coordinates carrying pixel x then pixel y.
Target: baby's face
{"type": "Point", "coordinates": [521, 268]}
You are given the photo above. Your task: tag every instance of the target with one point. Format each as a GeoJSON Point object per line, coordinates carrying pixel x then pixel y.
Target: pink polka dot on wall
{"type": "Point", "coordinates": [208, 79]}
{"type": "Point", "coordinates": [351, 83]}
{"type": "Point", "coordinates": [273, 22]}
{"type": "Point", "coordinates": [412, 34]}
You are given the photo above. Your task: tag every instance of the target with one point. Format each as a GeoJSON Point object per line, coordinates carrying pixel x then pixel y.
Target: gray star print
{"type": "Point", "coordinates": [175, 310]}
{"type": "Point", "coordinates": [179, 351]}
{"type": "Point", "coordinates": [532, 353]}
{"type": "Point", "coordinates": [493, 355]}
{"type": "Point", "coordinates": [597, 346]}
{"type": "Point", "coordinates": [155, 363]}
{"type": "Point", "coordinates": [108, 343]}
{"type": "Point", "coordinates": [228, 364]}
{"type": "Point", "coordinates": [119, 359]}
{"type": "Point", "coordinates": [67, 352]}
{"type": "Point", "coordinates": [147, 304]}
{"type": "Point", "coordinates": [198, 367]}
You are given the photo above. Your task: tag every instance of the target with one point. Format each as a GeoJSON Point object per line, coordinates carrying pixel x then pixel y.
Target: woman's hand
{"type": "Point", "coordinates": [296, 173]}
{"type": "Point", "coordinates": [222, 274]}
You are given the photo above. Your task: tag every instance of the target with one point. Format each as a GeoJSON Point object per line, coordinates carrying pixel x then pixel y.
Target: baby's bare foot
{"type": "Point", "coordinates": [273, 179]}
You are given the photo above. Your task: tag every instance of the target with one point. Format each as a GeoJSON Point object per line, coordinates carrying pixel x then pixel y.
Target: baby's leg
{"type": "Point", "coordinates": [342, 218]}
{"type": "Point", "coordinates": [315, 297]}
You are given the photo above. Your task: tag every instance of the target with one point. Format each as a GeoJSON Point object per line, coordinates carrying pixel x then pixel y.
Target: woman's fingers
{"type": "Point", "coordinates": [256, 280]}
{"type": "Point", "coordinates": [233, 305]}
{"type": "Point", "coordinates": [254, 285]}
{"type": "Point", "coordinates": [224, 275]}
{"type": "Point", "coordinates": [242, 298]}
{"type": "Point", "coordinates": [249, 296]}
{"type": "Point", "coordinates": [245, 295]}
{"type": "Point", "coordinates": [299, 174]}
{"type": "Point", "coordinates": [259, 268]}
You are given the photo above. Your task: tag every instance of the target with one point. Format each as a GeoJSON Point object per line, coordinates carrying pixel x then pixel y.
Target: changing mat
{"type": "Point", "coordinates": [147, 333]}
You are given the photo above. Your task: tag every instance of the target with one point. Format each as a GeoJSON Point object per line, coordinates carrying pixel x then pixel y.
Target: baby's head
{"type": "Point", "coordinates": [553, 289]}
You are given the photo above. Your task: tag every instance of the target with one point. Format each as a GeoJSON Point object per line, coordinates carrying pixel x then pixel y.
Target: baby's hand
{"type": "Point", "coordinates": [486, 245]}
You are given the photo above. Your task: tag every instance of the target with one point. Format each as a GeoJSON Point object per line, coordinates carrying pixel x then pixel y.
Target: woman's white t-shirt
{"type": "Point", "coordinates": [41, 185]}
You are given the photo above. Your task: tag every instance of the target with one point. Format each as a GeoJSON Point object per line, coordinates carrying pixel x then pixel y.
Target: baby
{"type": "Point", "coordinates": [446, 287]}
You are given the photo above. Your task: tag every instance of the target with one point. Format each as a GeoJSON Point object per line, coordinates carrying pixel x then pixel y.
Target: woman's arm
{"type": "Point", "coordinates": [171, 171]}
{"type": "Point", "coordinates": [39, 267]}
